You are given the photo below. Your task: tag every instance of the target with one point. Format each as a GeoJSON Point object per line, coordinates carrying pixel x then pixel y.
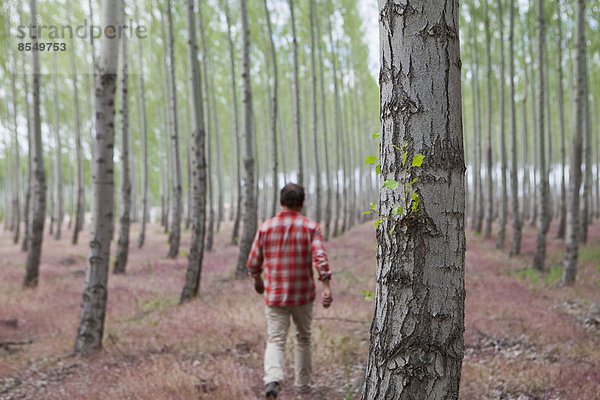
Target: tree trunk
{"type": "Point", "coordinates": [504, 199]}
{"type": "Point", "coordinates": [238, 153]}
{"type": "Point", "coordinates": [194, 269]}
{"type": "Point", "coordinates": [297, 117]}
{"type": "Point", "coordinates": [326, 147]}
{"type": "Point", "coordinates": [416, 347]}
{"type": "Point", "coordinates": [36, 229]}
{"type": "Point", "coordinates": [175, 234]}
{"type": "Point", "coordinates": [314, 111]}
{"type": "Point", "coordinates": [561, 127]}
{"type": "Point", "coordinates": [338, 144]}
{"type": "Point", "coordinates": [16, 220]}
{"type": "Point", "coordinates": [144, 140]}
{"type": "Point", "coordinates": [540, 251]}
{"type": "Point", "coordinates": [587, 178]}
{"type": "Point", "coordinates": [79, 202]}
{"type": "Point", "coordinates": [58, 175]}
{"type": "Point", "coordinates": [30, 151]}
{"type": "Point", "coordinates": [489, 200]}
{"type": "Point", "coordinates": [572, 239]}
{"type": "Point", "coordinates": [514, 172]}
{"type": "Point", "coordinates": [125, 206]}
{"type": "Point", "coordinates": [250, 209]}
{"type": "Point", "coordinates": [93, 306]}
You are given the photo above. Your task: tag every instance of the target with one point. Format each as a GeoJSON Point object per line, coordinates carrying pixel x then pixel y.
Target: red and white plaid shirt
{"type": "Point", "coordinates": [287, 246]}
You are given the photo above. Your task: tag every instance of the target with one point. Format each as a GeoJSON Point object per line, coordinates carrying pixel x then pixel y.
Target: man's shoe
{"type": "Point", "coordinates": [272, 390]}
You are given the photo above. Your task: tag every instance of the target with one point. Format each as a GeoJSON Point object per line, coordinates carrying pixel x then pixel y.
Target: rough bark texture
{"type": "Point", "coordinates": [514, 175]}
{"type": "Point", "coordinates": [175, 233]}
{"type": "Point", "coordinates": [540, 250]}
{"type": "Point", "coordinates": [416, 346]}
{"type": "Point", "coordinates": [36, 229]}
{"type": "Point", "coordinates": [125, 204]}
{"type": "Point", "coordinates": [572, 239]}
{"type": "Point", "coordinates": [95, 294]}
{"type": "Point", "coordinates": [489, 199]}
{"type": "Point", "coordinates": [194, 269]}
{"type": "Point", "coordinates": [250, 206]}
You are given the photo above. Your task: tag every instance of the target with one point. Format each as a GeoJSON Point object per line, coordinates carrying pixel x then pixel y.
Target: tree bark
{"type": "Point", "coordinates": [30, 151]}
{"type": "Point", "coordinates": [93, 306]}
{"type": "Point", "coordinates": [336, 96]}
{"type": "Point", "coordinates": [297, 117]}
{"type": "Point", "coordinates": [540, 251]}
{"type": "Point", "coordinates": [514, 172]}
{"type": "Point", "coordinates": [250, 209]}
{"type": "Point", "coordinates": [58, 175]}
{"type": "Point", "coordinates": [125, 206]}
{"type": "Point", "coordinates": [504, 197]}
{"type": "Point", "coordinates": [36, 228]}
{"type": "Point", "coordinates": [489, 200]}
{"type": "Point", "coordinates": [417, 346]}
{"type": "Point", "coordinates": [175, 234]}
{"type": "Point", "coordinates": [561, 127]}
{"type": "Point", "coordinates": [194, 269]}
{"type": "Point", "coordinates": [572, 239]}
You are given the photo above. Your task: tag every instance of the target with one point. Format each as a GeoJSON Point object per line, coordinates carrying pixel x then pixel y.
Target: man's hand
{"type": "Point", "coordinates": [259, 285]}
{"type": "Point", "coordinates": [326, 298]}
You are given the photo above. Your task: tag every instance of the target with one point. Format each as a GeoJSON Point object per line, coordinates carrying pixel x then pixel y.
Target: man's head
{"type": "Point", "coordinates": [292, 197]}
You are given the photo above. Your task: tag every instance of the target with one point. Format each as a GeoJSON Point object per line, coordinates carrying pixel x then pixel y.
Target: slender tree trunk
{"type": "Point", "coordinates": [175, 234]}
{"type": "Point", "coordinates": [314, 111]}
{"type": "Point", "coordinates": [274, 111]}
{"type": "Point", "coordinates": [250, 209]}
{"type": "Point", "coordinates": [540, 252]}
{"type": "Point", "coordinates": [489, 201]}
{"type": "Point", "coordinates": [526, 167]}
{"type": "Point", "coordinates": [144, 140]}
{"type": "Point", "coordinates": [79, 202]}
{"type": "Point", "coordinates": [194, 269]}
{"type": "Point", "coordinates": [416, 347]}
{"type": "Point", "coordinates": [297, 117]}
{"type": "Point", "coordinates": [504, 196]}
{"type": "Point", "coordinates": [238, 153]}
{"type": "Point", "coordinates": [125, 206]}
{"type": "Point", "coordinates": [338, 144]}
{"type": "Point", "coordinates": [561, 127]}
{"type": "Point", "coordinates": [30, 155]}
{"type": "Point", "coordinates": [17, 193]}
{"type": "Point", "coordinates": [587, 178]}
{"type": "Point", "coordinates": [514, 172]}
{"type": "Point", "coordinates": [36, 229]}
{"type": "Point", "coordinates": [572, 239]}
{"type": "Point", "coordinates": [58, 175]}
{"type": "Point", "coordinates": [93, 306]}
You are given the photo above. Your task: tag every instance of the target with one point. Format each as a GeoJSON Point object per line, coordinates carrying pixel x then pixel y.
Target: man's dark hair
{"type": "Point", "coordinates": [292, 195]}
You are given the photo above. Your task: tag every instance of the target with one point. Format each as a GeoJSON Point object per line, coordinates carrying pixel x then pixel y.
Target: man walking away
{"type": "Point", "coordinates": [286, 247]}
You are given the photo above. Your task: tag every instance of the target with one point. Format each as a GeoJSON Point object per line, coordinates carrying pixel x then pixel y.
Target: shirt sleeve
{"type": "Point", "coordinates": [319, 255]}
{"type": "Point", "coordinates": [255, 260]}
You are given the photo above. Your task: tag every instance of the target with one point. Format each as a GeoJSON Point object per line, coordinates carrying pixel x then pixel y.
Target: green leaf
{"type": "Point", "coordinates": [376, 135]}
{"type": "Point", "coordinates": [412, 182]}
{"type": "Point", "coordinates": [368, 295]}
{"type": "Point", "coordinates": [370, 160]}
{"type": "Point", "coordinates": [378, 169]}
{"type": "Point", "coordinates": [398, 210]}
{"type": "Point", "coordinates": [379, 221]}
{"type": "Point", "coordinates": [404, 158]}
{"type": "Point", "coordinates": [373, 206]}
{"type": "Point", "coordinates": [367, 212]}
{"type": "Point", "coordinates": [392, 230]}
{"type": "Point", "coordinates": [184, 253]}
{"type": "Point", "coordinates": [396, 147]}
{"type": "Point", "coordinates": [390, 184]}
{"type": "Point", "coordinates": [418, 160]}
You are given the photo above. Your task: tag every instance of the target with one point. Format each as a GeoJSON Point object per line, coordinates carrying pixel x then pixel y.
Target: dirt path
{"type": "Point", "coordinates": [525, 337]}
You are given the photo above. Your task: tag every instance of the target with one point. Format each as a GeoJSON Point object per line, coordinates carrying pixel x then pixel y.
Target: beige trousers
{"type": "Point", "coordinates": [278, 322]}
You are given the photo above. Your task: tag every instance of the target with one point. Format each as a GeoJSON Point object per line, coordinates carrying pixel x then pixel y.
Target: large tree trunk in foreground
{"type": "Point", "coordinates": [250, 206]}
{"type": "Point", "coordinates": [416, 347]}
{"type": "Point", "coordinates": [125, 206]}
{"type": "Point", "coordinates": [540, 251]}
{"type": "Point", "coordinates": [36, 228]}
{"type": "Point", "coordinates": [572, 239]}
{"type": "Point", "coordinates": [194, 269]}
{"type": "Point", "coordinates": [93, 306]}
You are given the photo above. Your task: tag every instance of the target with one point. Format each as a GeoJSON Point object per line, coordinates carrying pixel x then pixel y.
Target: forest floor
{"type": "Point", "coordinates": [526, 337]}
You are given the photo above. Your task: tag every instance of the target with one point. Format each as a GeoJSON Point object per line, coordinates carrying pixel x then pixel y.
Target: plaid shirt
{"type": "Point", "coordinates": [287, 246]}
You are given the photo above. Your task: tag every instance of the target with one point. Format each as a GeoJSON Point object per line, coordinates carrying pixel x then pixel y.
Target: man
{"type": "Point", "coordinates": [286, 247]}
